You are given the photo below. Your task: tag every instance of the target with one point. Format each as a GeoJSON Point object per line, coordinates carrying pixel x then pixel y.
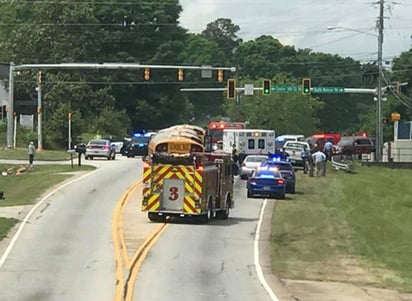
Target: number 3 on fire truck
{"type": "Point", "coordinates": [174, 193]}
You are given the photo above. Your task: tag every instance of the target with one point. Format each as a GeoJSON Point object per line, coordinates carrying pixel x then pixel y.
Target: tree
{"type": "Point", "coordinates": [78, 31]}
{"type": "Point", "coordinates": [224, 33]}
{"type": "Point", "coordinates": [260, 57]}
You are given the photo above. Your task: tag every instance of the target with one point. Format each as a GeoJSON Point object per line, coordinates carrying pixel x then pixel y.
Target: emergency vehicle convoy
{"type": "Point", "coordinates": [180, 179]}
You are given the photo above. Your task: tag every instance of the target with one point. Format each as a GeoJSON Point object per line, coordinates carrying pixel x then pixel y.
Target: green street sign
{"type": "Point", "coordinates": [328, 90]}
{"type": "Point", "coordinates": [286, 89]}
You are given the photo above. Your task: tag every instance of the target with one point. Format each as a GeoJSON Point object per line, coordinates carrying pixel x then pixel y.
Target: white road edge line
{"type": "Point", "coordinates": [24, 222]}
{"type": "Point", "coordinates": [256, 255]}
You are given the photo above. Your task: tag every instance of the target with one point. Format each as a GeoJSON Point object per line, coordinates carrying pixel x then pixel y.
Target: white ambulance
{"type": "Point", "coordinates": [249, 141]}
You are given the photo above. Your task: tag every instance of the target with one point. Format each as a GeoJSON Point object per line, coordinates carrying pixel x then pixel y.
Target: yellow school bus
{"type": "Point", "coordinates": [176, 141]}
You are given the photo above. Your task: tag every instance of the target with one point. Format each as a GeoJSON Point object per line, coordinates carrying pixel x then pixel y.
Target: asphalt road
{"type": "Point", "coordinates": [65, 251]}
{"type": "Point", "coordinates": [206, 262]}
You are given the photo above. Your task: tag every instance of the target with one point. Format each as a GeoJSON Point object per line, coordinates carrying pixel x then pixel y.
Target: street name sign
{"type": "Point", "coordinates": [286, 89]}
{"type": "Point", "coordinates": [328, 90]}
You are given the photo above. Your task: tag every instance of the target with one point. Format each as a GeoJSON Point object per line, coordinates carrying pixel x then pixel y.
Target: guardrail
{"type": "Point", "coordinates": [339, 163]}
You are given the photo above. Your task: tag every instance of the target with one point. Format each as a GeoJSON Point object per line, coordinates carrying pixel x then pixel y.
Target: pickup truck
{"type": "Point", "coordinates": [294, 150]}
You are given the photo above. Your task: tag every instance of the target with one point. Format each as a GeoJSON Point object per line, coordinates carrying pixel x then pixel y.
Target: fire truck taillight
{"type": "Point", "coordinates": [145, 202]}
{"type": "Point", "coordinates": [200, 168]}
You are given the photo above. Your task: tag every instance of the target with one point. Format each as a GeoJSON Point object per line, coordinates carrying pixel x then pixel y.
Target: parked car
{"type": "Point", "coordinates": [355, 145]}
{"type": "Point", "coordinates": [100, 148]}
{"type": "Point", "coordinates": [80, 148]}
{"type": "Point", "coordinates": [118, 143]}
{"type": "Point", "coordinates": [249, 164]}
{"type": "Point", "coordinates": [286, 170]}
{"type": "Point", "coordinates": [294, 150]}
{"type": "Point", "coordinates": [266, 182]}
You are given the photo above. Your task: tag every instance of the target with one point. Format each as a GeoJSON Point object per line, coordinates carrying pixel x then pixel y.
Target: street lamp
{"type": "Point", "coordinates": [379, 126]}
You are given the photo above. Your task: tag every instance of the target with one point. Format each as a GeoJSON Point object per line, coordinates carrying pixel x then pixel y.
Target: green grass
{"type": "Point", "coordinates": [347, 227]}
{"type": "Point", "coordinates": [5, 225]}
{"type": "Point", "coordinates": [44, 155]}
{"type": "Point", "coordinates": [27, 187]}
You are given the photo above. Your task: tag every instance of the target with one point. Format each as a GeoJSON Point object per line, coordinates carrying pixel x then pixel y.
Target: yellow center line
{"type": "Point", "coordinates": [119, 244]}
{"type": "Point", "coordinates": [123, 244]}
{"type": "Point", "coordinates": [139, 258]}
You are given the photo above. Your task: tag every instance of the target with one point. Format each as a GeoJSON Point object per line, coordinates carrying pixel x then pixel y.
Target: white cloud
{"type": "Point", "coordinates": [303, 23]}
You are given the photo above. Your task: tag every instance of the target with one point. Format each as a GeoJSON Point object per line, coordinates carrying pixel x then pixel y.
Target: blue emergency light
{"type": "Point", "coordinates": [142, 134]}
{"type": "Point", "coordinates": [278, 158]}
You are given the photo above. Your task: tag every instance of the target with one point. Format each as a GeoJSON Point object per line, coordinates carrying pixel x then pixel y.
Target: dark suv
{"type": "Point", "coordinates": [355, 145]}
{"type": "Point", "coordinates": [139, 144]}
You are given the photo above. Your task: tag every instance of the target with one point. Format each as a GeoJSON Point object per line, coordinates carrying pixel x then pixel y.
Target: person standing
{"type": "Point", "coordinates": [328, 149]}
{"type": "Point", "coordinates": [319, 158]}
{"type": "Point", "coordinates": [32, 152]}
{"type": "Point", "coordinates": [305, 158]}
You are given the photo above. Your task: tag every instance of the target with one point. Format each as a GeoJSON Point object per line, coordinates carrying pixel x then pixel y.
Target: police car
{"type": "Point", "coordinates": [139, 144]}
{"type": "Point", "coordinates": [283, 165]}
{"type": "Point", "coordinates": [266, 181]}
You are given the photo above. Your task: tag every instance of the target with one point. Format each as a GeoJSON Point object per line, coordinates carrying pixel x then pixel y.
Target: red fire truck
{"type": "Point", "coordinates": [179, 179]}
{"type": "Point", "coordinates": [215, 132]}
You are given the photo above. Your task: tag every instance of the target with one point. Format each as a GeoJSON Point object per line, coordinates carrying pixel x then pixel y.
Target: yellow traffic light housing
{"type": "Point", "coordinates": [267, 87]}
{"type": "Point", "coordinates": [146, 73]}
{"type": "Point", "coordinates": [39, 76]}
{"type": "Point", "coordinates": [231, 88]}
{"type": "Point", "coordinates": [306, 86]}
{"type": "Point", "coordinates": [180, 75]}
{"type": "Point", "coordinates": [220, 75]}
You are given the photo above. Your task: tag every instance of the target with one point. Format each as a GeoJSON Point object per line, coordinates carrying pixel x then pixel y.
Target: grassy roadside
{"type": "Point", "coordinates": [26, 188]}
{"type": "Point", "coordinates": [347, 227]}
{"type": "Point", "coordinates": [46, 155]}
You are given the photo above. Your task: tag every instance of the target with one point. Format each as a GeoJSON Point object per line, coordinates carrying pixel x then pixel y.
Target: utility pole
{"type": "Point", "coordinates": [39, 113]}
{"type": "Point", "coordinates": [379, 126]}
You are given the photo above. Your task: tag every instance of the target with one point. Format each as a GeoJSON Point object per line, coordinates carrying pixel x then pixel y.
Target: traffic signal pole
{"type": "Point", "coordinates": [11, 127]}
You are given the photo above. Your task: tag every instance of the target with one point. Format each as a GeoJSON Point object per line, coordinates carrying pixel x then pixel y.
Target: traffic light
{"type": "Point", "coordinates": [146, 73]}
{"type": "Point", "coordinates": [220, 75]}
{"type": "Point", "coordinates": [231, 88]}
{"type": "Point", "coordinates": [385, 120]}
{"type": "Point", "coordinates": [267, 89]}
{"type": "Point", "coordinates": [180, 75]}
{"type": "Point", "coordinates": [39, 76]}
{"type": "Point", "coordinates": [306, 86]}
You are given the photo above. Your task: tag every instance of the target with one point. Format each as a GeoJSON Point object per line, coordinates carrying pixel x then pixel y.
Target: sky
{"type": "Point", "coordinates": [304, 24]}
